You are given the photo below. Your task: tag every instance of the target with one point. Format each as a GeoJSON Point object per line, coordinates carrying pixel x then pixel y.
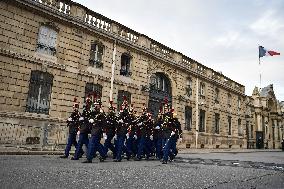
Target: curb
{"type": "Point", "coordinates": [32, 153]}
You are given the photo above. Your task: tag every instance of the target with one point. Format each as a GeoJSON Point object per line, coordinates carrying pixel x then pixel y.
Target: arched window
{"type": "Point", "coordinates": [125, 65]}
{"type": "Point", "coordinates": [46, 42]}
{"type": "Point", "coordinates": [39, 92]}
{"type": "Point", "coordinates": [96, 55]}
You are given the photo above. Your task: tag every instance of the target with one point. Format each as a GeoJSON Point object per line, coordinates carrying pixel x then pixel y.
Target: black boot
{"type": "Point", "coordinates": [81, 154]}
{"type": "Point", "coordinates": [64, 157]}
{"type": "Point", "coordinates": [87, 161]}
{"type": "Point", "coordinates": [164, 162]}
{"type": "Point", "coordinates": [102, 159]}
{"type": "Point", "coordinates": [74, 158]}
{"type": "Point", "coordinates": [137, 159]}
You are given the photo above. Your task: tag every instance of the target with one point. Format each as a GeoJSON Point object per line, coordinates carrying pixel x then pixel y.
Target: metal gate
{"type": "Point", "coordinates": [160, 88]}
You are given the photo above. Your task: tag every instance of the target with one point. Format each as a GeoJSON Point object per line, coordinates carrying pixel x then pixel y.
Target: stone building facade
{"type": "Point", "coordinates": [268, 118]}
{"type": "Point", "coordinates": [53, 50]}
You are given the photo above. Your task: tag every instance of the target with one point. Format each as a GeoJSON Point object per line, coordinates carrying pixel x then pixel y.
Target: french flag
{"type": "Point", "coordinates": [263, 52]}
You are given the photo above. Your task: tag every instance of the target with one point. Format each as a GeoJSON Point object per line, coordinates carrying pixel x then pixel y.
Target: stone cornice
{"type": "Point", "coordinates": [30, 58]}
{"type": "Point", "coordinates": [124, 38]}
{"type": "Point", "coordinates": [32, 116]}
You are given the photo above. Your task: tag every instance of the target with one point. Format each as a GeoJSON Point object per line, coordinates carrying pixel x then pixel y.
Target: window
{"type": "Point", "coordinates": [251, 130]}
{"type": "Point", "coordinates": [239, 103]}
{"type": "Point", "coordinates": [46, 43]}
{"type": "Point", "coordinates": [92, 89]}
{"type": "Point", "coordinates": [240, 131]}
{"type": "Point", "coordinates": [217, 92]}
{"type": "Point", "coordinates": [229, 125]}
{"type": "Point", "coordinates": [188, 118]}
{"type": "Point", "coordinates": [229, 100]}
{"type": "Point", "coordinates": [202, 89]}
{"type": "Point", "coordinates": [125, 65]}
{"type": "Point", "coordinates": [96, 55]}
{"type": "Point", "coordinates": [202, 121]}
{"type": "Point", "coordinates": [39, 92]}
{"type": "Point", "coordinates": [160, 83]}
{"type": "Point", "coordinates": [278, 131]}
{"type": "Point", "coordinates": [120, 98]}
{"type": "Point", "coordinates": [188, 88]}
{"type": "Point", "coordinates": [217, 123]}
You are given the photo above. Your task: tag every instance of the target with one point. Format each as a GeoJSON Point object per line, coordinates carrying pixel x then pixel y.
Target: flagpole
{"type": "Point", "coordinates": [259, 73]}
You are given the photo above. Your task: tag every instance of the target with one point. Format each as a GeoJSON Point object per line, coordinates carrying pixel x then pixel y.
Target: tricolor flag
{"type": "Point", "coordinates": [263, 52]}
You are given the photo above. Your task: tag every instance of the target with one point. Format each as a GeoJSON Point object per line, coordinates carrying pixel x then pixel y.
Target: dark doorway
{"type": "Point", "coordinates": [160, 87]}
{"type": "Point", "coordinates": [259, 139]}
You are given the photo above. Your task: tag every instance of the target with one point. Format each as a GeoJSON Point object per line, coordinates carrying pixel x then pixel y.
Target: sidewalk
{"type": "Point", "coordinates": [202, 151]}
{"type": "Point", "coordinates": [25, 150]}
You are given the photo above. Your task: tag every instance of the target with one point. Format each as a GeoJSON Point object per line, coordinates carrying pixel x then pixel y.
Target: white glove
{"type": "Point", "coordinates": [151, 137]}
{"type": "Point", "coordinates": [115, 137]}
{"type": "Point", "coordinates": [135, 136]}
{"type": "Point", "coordinates": [105, 136]}
{"type": "Point", "coordinates": [127, 135]}
{"type": "Point", "coordinates": [157, 127]}
{"type": "Point", "coordinates": [91, 121]}
{"type": "Point", "coordinates": [120, 121]}
{"type": "Point", "coordinates": [81, 118]}
{"type": "Point", "coordinates": [173, 133]}
{"type": "Point", "coordinates": [69, 119]}
{"type": "Point", "coordinates": [180, 139]}
{"type": "Point", "coordinates": [140, 124]}
{"type": "Point", "coordinates": [78, 133]}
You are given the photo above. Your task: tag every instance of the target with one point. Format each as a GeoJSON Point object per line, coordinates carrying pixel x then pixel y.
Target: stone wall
{"type": "Point", "coordinates": [77, 28]}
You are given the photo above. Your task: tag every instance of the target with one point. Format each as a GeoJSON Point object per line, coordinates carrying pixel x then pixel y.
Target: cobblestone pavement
{"type": "Point", "coordinates": [187, 171]}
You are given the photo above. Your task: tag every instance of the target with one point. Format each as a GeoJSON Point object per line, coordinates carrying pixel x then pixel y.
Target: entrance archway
{"type": "Point", "coordinates": [160, 87]}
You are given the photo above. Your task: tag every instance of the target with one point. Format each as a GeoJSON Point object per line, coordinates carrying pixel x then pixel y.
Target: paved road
{"type": "Point", "coordinates": [205, 171]}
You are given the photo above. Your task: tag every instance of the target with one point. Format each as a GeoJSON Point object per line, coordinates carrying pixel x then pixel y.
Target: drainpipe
{"type": "Point", "coordinates": [112, 70]}
{"type": "Point", "coordinates": [196, 114]}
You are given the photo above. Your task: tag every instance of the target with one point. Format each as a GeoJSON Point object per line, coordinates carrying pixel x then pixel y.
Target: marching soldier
{"type": "Point", "coordinates": [121, 130]}
{"type": "Point", "coordinates": [169, 136]}
{"type": "Point", "coordinates": [109, 130]}
{"type": "Point", "coordinates": [72, 123]}
{"type": "Point", "coordinates": [97, 120]}
{"type": "Point", "coordinates": [157, 134]}
{"type": "Point", "coordinates": [130, 136]}
{"type": "Point", "coordinates": [143, 135]}
{"type": "Point", "coordinates": [83, 129]}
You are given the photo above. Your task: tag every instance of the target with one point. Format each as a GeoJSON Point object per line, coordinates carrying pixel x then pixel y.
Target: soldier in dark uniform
{"type": "Point", "coordinates": [97, 121]}
{"type": "Point", "coordinates": [121, 130]}
{"type": "Point", "coordinates": [178, 132]}
{"type": "Point", "coordinates": [143, 126]}
{"type": "Point", "coordinates": [73, 124]}
{"type": "Point", "coordinates": [157, 135]}
{"type": "Point", "coordinates": [130, 136]}
{"type": "Point", "coordinates": [170, 136]}
{"type": "Point", "coordinates": [109, 130]}
{"type": "Point", "coordinates": [83, 129]}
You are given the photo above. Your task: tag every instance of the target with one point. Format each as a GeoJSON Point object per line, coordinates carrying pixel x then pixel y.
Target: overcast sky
{"type": "Point", "coordinates": [221, 34]}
